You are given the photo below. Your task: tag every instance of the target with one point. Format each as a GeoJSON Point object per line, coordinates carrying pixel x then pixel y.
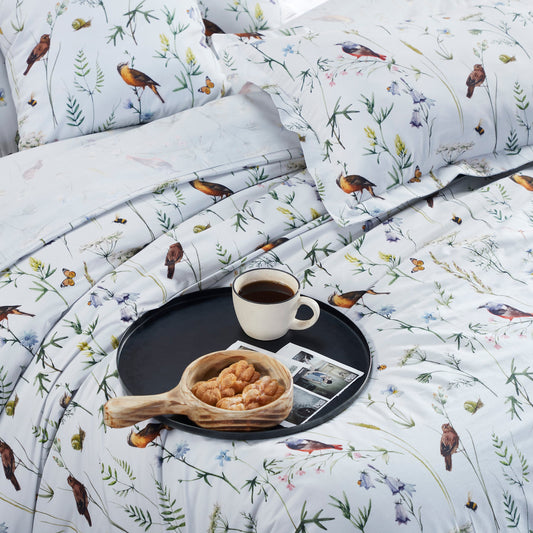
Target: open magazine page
{"type": "Point", "coordinates": [317, 378]}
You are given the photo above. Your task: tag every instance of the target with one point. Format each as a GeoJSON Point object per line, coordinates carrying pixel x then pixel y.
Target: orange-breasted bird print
{"type": "Point", "coordinates": [349, 299]}
{"type": "Point", "coordinates": [8, 462]}
{"type": "Point", "coordinates": [525, 181]}
{"type": "Point", "coordinates": [174, 255]}
{"type": "Point", "coordinates": [272, 244]}
{"type": "Point", "coordinates": [38, 52]}
{"type": "Point", "coordinates": [355, 183]}
{"type": "Point", "coordinates": [80, 495]}
{"type": "Point", "coordinates": [6, 310]}
{"type": "Point", "coordinates": [136, 78]}
{"type": "Point", "coordinates": [141, 439]}
{"type": "Point", "coordinates": [359, 50]}
{"type": "Point", "coordinates": [475, 79]}
{"type": "Point", "coordinates": [449, 442]}
{"type": "Point", "coordinates": [505, 311]}
{"type": "Point", "coordinates": [211, 189]}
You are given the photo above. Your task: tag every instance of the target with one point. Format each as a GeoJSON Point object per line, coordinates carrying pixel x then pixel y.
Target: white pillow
{"type": "Point", "coordinates": [241, 16]}
{"type": "Point", "coordinates": [8, 116]}
{"type": "Point", "coordinates": [70, 64]}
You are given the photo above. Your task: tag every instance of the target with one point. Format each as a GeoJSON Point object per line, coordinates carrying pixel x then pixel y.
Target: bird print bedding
{"type": "Point", "coordinates": [99, 230]}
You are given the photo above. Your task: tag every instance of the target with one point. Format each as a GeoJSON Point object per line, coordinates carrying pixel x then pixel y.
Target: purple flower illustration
{"type": "Point", "coordinates": [394, 88]}
{"type": "Point", "coordinates": [415, 118]}
{"type": "Point", "coordinates": [95, 299]}
{"type": "Point", "coordinates": [396, 485]}
{"type": "Point", "coordinates": [365, 480]}
{"type": "Point", "coordinates": [126, 314]}
{"type": "Point", "coordinates": [401, 513]}
{"type": "Point", "coordinates": [124, 297]}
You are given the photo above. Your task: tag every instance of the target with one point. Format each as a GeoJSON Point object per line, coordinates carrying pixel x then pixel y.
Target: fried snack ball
{"type": "Point", "coordinates": [207, 391]}
{"type": "Point", "coordinates": [262, 392]}
{"type": "Point", "coordinates": [244, 372]}
{"type": "Point", "coordinates": [233, 403]}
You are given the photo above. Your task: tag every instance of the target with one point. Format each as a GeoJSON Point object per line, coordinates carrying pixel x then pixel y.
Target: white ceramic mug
{"type": "Point", "coordinates": [268, 321]}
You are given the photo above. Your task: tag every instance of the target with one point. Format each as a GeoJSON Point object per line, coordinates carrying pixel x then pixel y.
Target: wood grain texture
{"type": "Point", "coordinates": [128, 410]}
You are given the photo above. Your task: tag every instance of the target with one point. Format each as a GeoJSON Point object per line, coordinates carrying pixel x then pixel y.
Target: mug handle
{"type": "Point", "coordinates": [304, 324]}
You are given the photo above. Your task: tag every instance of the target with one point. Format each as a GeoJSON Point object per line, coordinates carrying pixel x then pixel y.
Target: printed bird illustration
{"type": "Point", "coordinates": [348, 299]}
{"type": "Point", "coordinates": [38, 52]}
{"type": "Point", "coordinates": [8, 462]}
{"type": "Point", "coordinates": [359, 50]}
{"type": "Point", "coordinates": [272, 244]}
{"type": "Point", "coordinates": [355, 183]}
{"type": "Point", "coordinates": [145, 436]}
{"type": "Point", "coordinates": [307, 445]}
{"type": "Point", "coordinates": [475, 79]}
{"type": "Point", "coordinates": [174, 255]}
{"type": "Point", "coordinates": [211, 189]}
{"type": "Point", "coordinates": [504, 310]}
{"type": "Point", "coordinates": [449, 443]}
{"type": "Point", "coordinates": [136, 78]}
{"type": "Point", "coordinates": [6, 310]}
{"type": "Point", "coordinates": [525, 181]}
{"type": "Point", "coordinates": [81, 497]}
{"type": "Point", "coordinates": [250, 35]}
{"type": "Point", "coordinates": [211, 27]}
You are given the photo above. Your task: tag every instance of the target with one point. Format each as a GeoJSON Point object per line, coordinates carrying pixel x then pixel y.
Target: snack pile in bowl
{"type": "Point", "coordinates": [238, 387]}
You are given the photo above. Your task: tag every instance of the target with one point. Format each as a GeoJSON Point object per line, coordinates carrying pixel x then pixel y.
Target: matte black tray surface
{"type": "Point", "coordinates": [156, 349]}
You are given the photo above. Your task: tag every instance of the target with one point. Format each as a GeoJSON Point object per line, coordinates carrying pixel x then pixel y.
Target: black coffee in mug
{"type": "Point", "coordinates": [266, 292]}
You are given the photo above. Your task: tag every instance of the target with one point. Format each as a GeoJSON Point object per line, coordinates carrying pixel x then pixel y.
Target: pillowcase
{"type": "Point", "coordinates": [388, 112]}
{"type": "Point", "coordinates": [82, 66]}
{"type": "Point", "coordinates": [240, 16]}
{"type": "Point", "coordinates": [8, 116]}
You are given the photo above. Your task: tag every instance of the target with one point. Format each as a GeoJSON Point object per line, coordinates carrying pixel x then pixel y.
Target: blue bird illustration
{"type": "Point", "coordinates": [359, 50]}
{"type": "Point", "coordinates": [309, 446]}
{"type": "Point", "coordinates": [504, 310]}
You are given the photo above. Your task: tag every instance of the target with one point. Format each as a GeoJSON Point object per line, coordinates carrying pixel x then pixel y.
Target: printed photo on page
{"type": "Point", "coordinates": [321, 375]}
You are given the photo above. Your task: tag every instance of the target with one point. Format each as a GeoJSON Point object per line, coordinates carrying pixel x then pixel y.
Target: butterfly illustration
{"type": "Point", "coordinates": [417, 176]}
{"type": "Point", "coordinates": [69, 278]}
{"type": "Point", "coordinates": [206, 89]}
{"type": "Point", "coordinates": [419, 264]}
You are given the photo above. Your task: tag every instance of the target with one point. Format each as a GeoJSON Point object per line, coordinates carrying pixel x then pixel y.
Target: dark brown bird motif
{"type": "Point", "coordinates": [174, 255]}
{"type": "Point", "coordinates": [38, 52]}
{"type": "Point", "coordinates": [475, 79]}
{"type": "Point", "coordinates": [8, 462]}
{"type": "Point", "coordinates": [211, 189]}
{"type": "Point", "coordinates": [211, 27]}
{"type": "Point", "coordinates": [525, 181]}
{"type": "Point", "coordinates": [136, 78]}
{"type": "Point", "coordinates": [354, 183]}
{"type": "Point", "coordinates": [145, 436]}
{"type": "Point", "coordinates": [449, 443]}
{"type": "Point", "coordinates": [6, 310]}
{"type": "Point", "coordinates": [81, 497]}
{"type": "Point", "coordinates": [349, 299]}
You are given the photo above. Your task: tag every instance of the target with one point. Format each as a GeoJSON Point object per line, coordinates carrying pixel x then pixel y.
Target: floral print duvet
{"type": "Point", "coordinates": [439, 439]}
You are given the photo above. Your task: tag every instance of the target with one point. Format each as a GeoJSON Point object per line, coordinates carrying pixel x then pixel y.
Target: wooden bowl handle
{"type": "Point", "coordinates": [128, 410]}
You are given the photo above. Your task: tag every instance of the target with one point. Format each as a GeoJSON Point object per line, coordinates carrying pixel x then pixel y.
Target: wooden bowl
{"type": "Point", "coordinates": [127, 410]}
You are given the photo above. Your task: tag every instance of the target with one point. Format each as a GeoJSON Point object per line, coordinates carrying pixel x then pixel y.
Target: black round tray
{"type": "Point", "coordinates": [155, 350]}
